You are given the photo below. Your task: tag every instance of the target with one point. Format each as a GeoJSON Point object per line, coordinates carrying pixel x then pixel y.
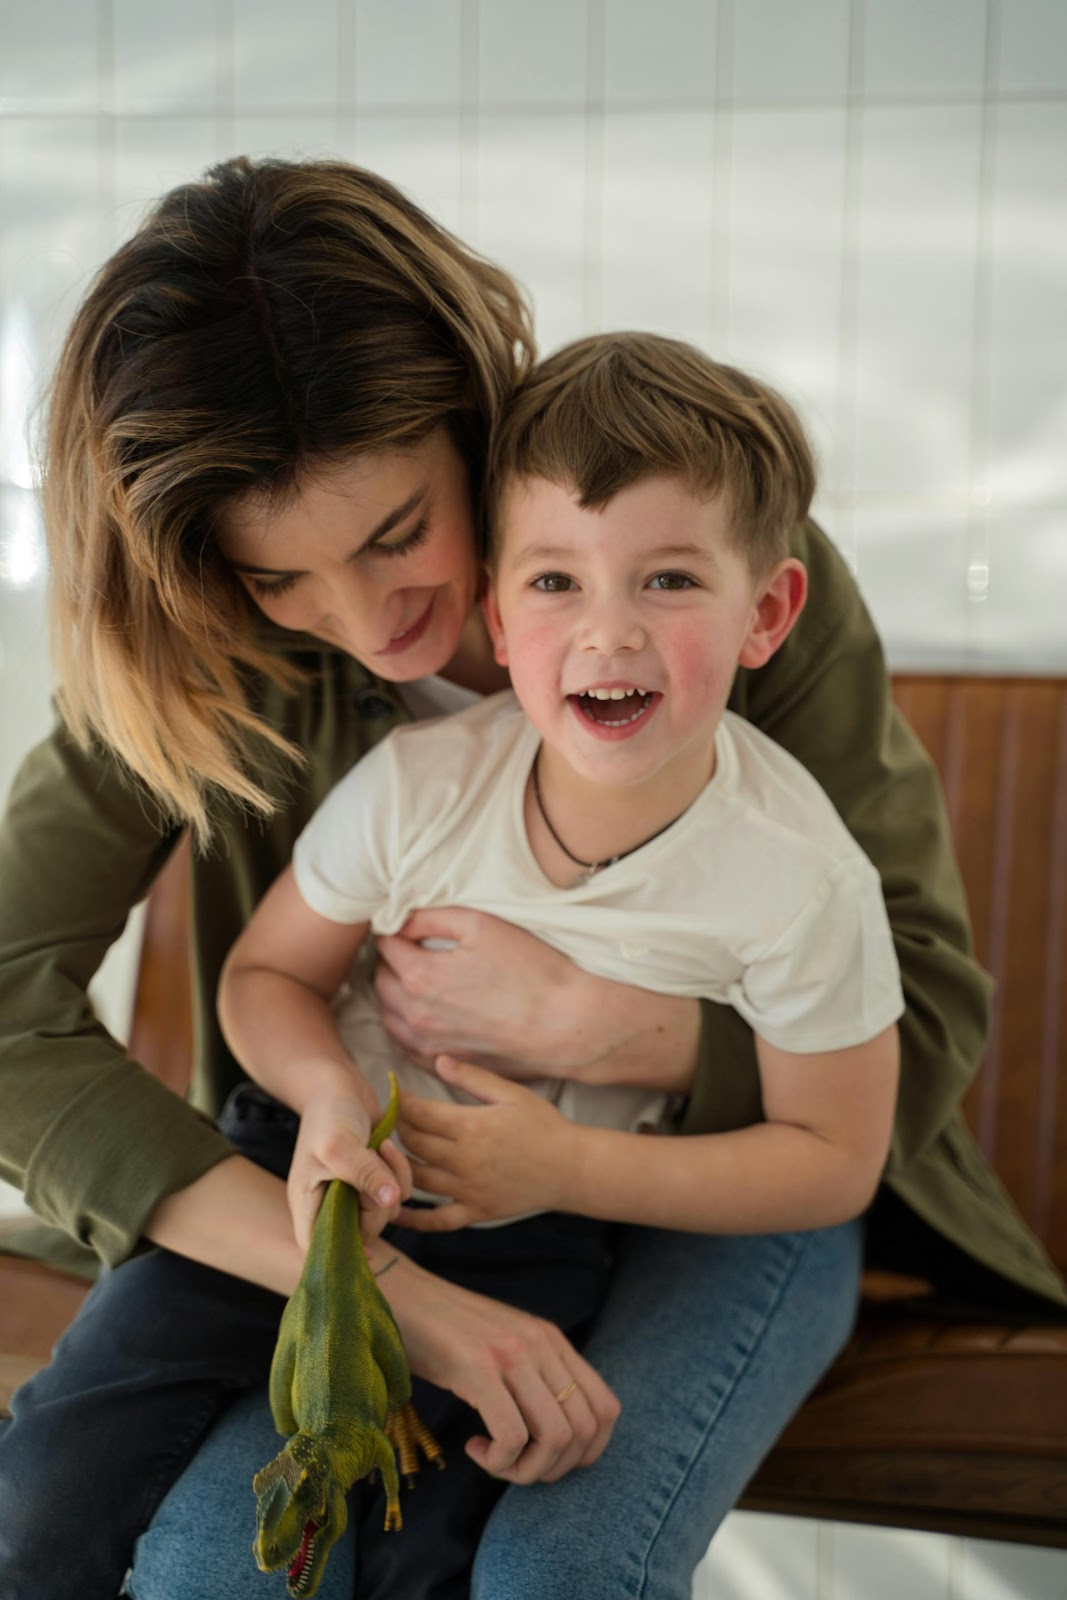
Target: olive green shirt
{"type": "Point", "coordinates": [96, 1142]}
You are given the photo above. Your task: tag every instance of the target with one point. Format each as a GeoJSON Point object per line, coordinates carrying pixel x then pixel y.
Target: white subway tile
{"type": "Point", "coordinates": [1022, 624]}
{"type": "Point", "coordinates": [1027, 403]}
{"type": "Point", "coordinates": [888, 1564]}
{"type": "Point", "coordinates": [1033, 45]}
{"type": "Point", "coordinates": [165, 57]}
{"type": "Point", "coordinates": [54, 228]}
{"type": "Point", "coordinates": [656, 215]}
{"type": "Point", "coordinates": [916, 313]}
{"type": "Point", "coordinates": [784, 52]}
{"type": "Point", "coordinates": [914, 48]}
{"type": "Point", "coordinates": [1012, 1572]}
{"type": "Point", "coordinates": [285, 58]}
{"type": "Point", "coordinates": [153, 155]}
{"type": "Point", "coordinates": [421, 155]}
{"type": "Point", "coordinates": [408, 53]}
{"type": "Point", "coordinates": [772, 1558]}
{"type": "Point", "coordinates": [660, 54]}
{"type": "Point", "coordinates": [49, 57]}
{"type": "Point", "coordinates": [911, 565]}
{"type": "Point", "coordinates": [292, 136]}
{"type": "Point", "coordinates": [532, 54]}
{"type": "Point", "coordinates": [785, 237]}
{"type": "Point", "coordinates": [531, 213]}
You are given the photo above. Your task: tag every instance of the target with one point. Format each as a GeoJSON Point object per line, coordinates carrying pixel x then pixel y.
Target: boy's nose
{"type": "Point", "coordinates": [611, 628]}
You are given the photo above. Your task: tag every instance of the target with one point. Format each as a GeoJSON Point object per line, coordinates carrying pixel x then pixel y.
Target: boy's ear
{"type": "Point", "coordinates": [491, 613]}
{"type": "Point", "coordinates": [779, 601]}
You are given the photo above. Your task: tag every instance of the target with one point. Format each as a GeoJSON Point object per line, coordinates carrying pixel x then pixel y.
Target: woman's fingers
{"type": "Point", "coordinates": [515, 1370]}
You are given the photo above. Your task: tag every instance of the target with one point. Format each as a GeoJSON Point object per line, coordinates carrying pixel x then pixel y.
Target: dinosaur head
{"type": "Point", "coordinates": [300, 1515]}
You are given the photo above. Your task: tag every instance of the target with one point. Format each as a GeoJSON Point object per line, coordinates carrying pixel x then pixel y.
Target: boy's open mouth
{"type": "Point", "coordinates": [614, 708]}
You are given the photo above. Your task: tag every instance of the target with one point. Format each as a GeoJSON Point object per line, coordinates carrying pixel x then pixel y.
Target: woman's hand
{"type": "Point", "coordinates": [545, 1409]}
{"type": "Point", "coordinates": [503, 999]}
{"type": "Point", "coordinates": [332, 1143]}
{"type": "Point", "coordinates": [510, 1155]}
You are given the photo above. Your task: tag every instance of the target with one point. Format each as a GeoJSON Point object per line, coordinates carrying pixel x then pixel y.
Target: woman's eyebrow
{"type": "Point", "coordinates": [387, 524]}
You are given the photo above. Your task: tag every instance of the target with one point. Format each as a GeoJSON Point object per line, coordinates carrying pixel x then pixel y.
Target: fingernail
{"type": "Point", "coordinates": [386, 1195]}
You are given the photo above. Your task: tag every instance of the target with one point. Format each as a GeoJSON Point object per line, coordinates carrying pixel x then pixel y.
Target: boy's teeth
{"type": "Point", "coordinates": [611, 694]}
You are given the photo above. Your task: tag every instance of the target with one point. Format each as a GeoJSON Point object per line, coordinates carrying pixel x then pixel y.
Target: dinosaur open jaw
{"type": "Point", "coordinates": [299, 1574]}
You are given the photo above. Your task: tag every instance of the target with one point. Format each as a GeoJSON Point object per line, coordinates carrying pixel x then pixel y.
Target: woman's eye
{"type": "Point", "coordinates": [410, 541]}
{"type": "Point", "coordinates": [553, 583]}
{"type": "Point", "coordinates": [270, 588]}
{"type": "Point", "coordinates": [670, 581]}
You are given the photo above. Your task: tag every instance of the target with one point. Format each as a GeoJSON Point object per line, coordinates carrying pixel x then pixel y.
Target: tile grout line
{"type": "Point", "coordinates": [595, 139]}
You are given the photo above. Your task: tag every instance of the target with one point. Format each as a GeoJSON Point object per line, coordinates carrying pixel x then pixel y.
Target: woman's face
{"type": "Point", "coordinates": [375, 555]}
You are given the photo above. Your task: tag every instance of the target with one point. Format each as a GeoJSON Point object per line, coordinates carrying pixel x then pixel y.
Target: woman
{"type": "Point", "coordinates": [233, 628]}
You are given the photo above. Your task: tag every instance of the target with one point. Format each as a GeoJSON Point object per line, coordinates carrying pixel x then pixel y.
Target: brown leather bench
{"type": "Point", "coordinates": [936, 1416]}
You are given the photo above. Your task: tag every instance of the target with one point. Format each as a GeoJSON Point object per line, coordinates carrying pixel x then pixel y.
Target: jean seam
{"type": "Point", "coordinates": [796, 1251]}
{"type": "Point", "coordinates": [165, 1476]}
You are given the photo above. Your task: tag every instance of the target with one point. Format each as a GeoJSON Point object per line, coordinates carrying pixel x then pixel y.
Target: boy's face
{"type": "Point", "coordinates": [645, 598]}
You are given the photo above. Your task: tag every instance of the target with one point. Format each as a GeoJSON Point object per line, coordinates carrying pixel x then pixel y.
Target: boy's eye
{"type": "Point", "coordinates": [553, 583]}
{"type": "Point", "coordinates": [671, 580]}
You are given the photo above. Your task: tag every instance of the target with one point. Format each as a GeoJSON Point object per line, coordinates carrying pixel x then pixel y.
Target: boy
{"type": "Point", "coordinates": [641, 499]}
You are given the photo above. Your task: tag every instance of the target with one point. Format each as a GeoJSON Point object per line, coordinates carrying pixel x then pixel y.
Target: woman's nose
{"type": "Point", "coordinates": [353, 616]}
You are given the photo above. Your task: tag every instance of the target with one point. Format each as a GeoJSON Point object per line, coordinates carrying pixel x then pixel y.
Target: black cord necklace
{"type": "Point", "coordinates": [590, 868]}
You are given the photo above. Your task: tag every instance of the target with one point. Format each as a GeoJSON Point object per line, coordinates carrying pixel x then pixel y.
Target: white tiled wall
{"type": "Point", "coordinates": [863, 200]}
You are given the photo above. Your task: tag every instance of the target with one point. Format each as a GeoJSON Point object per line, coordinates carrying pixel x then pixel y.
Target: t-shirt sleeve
{"type": "Point", "coordinates": [831, 980]}
{"type": "Point", "coordinates": [345, 859]}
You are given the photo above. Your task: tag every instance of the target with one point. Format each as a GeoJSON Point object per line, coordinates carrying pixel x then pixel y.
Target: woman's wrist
{"type": "Point", "coordinates": [236, 1219]}
{"type": "Point", "coordinates": [623, 1035]}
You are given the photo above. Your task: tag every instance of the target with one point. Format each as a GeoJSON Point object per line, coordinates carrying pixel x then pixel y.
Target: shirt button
{"type": "Point", "coordinates": [370, 704]}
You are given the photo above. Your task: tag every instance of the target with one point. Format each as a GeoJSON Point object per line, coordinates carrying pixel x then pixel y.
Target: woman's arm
{"type": "Point", "coordinates": [502, 998]}
{"type": "Point", "coordinates": [92, 1138]}
{"type": "Point", "coordinates": [816, 1160]}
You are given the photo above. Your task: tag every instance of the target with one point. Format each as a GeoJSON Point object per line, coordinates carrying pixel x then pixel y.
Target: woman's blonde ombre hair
{"type": "Point", "coordinates": [261, 323]}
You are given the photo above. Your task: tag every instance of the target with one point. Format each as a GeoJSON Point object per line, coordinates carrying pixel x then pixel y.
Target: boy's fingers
{"type": "Point", "coordinates": [367, 1172]}
{"type": "Point", "coordinates": [478, 1081]}
{"type": "Point", "coordinates": [430, 1116]}
{"type": "Point", "coordinates": [427, 1147]}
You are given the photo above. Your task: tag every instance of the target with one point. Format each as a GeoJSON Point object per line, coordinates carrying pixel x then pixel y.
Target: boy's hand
{"type": "Point", "coordinates": [507, 1156]}
{"type": "Point", "coordinates": [332, 1143]}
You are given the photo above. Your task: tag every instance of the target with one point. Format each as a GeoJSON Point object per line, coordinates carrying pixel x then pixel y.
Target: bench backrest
{"type": "Point", "coordinates": [1000, 745]}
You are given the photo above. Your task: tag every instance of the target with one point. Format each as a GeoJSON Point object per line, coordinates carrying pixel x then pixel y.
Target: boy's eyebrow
{"type": "Point", "coordinates": [659, 552]}
{"type": "Point", "coordinates": [386, 525]}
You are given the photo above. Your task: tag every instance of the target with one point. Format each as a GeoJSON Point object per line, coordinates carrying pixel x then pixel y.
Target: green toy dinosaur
{"type": "Point", "coordinates": [340, 1385]}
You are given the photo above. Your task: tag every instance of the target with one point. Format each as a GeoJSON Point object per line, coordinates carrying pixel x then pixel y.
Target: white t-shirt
{"type": "Point", "coordinates": [758, 896]}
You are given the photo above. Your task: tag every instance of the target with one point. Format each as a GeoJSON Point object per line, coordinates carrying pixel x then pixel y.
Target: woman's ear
{"type": "Point", "coordinates": [779, 601]}
{"type": "Point", "coordinates": [491, 613]}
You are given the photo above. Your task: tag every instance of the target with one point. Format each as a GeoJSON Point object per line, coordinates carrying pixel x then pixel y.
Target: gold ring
{"type": "Point", "coordinates": [563, 1393]}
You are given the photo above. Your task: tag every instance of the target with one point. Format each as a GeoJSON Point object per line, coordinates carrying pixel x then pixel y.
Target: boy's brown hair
{"type": "Point", "coordinates": [608, 411]}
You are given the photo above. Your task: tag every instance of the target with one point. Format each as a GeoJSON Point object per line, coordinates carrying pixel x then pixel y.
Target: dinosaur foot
{"type": "Point", "coordinates": [408, 1434]}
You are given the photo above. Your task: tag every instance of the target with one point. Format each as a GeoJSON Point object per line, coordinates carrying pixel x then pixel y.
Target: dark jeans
{"type": "Point", "coordinates": [162, 1345]}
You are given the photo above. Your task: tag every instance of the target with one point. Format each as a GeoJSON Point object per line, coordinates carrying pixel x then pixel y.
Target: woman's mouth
{"type": "Point", "coordinates": [614, 712]}
{"type": "Point", "coordinates": [403, 641]}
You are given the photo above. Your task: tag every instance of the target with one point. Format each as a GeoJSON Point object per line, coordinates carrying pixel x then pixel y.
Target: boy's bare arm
{"type": "Point", "coordinates": [816, 1161]}
{"type": "Point", "coordinates": [276, 1015]}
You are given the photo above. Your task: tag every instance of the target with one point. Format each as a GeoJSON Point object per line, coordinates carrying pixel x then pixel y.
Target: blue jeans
{"type": "Point", "coordinates": [710, 1343]}
{"type": "Point", "coordinates": [163, 1348]}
